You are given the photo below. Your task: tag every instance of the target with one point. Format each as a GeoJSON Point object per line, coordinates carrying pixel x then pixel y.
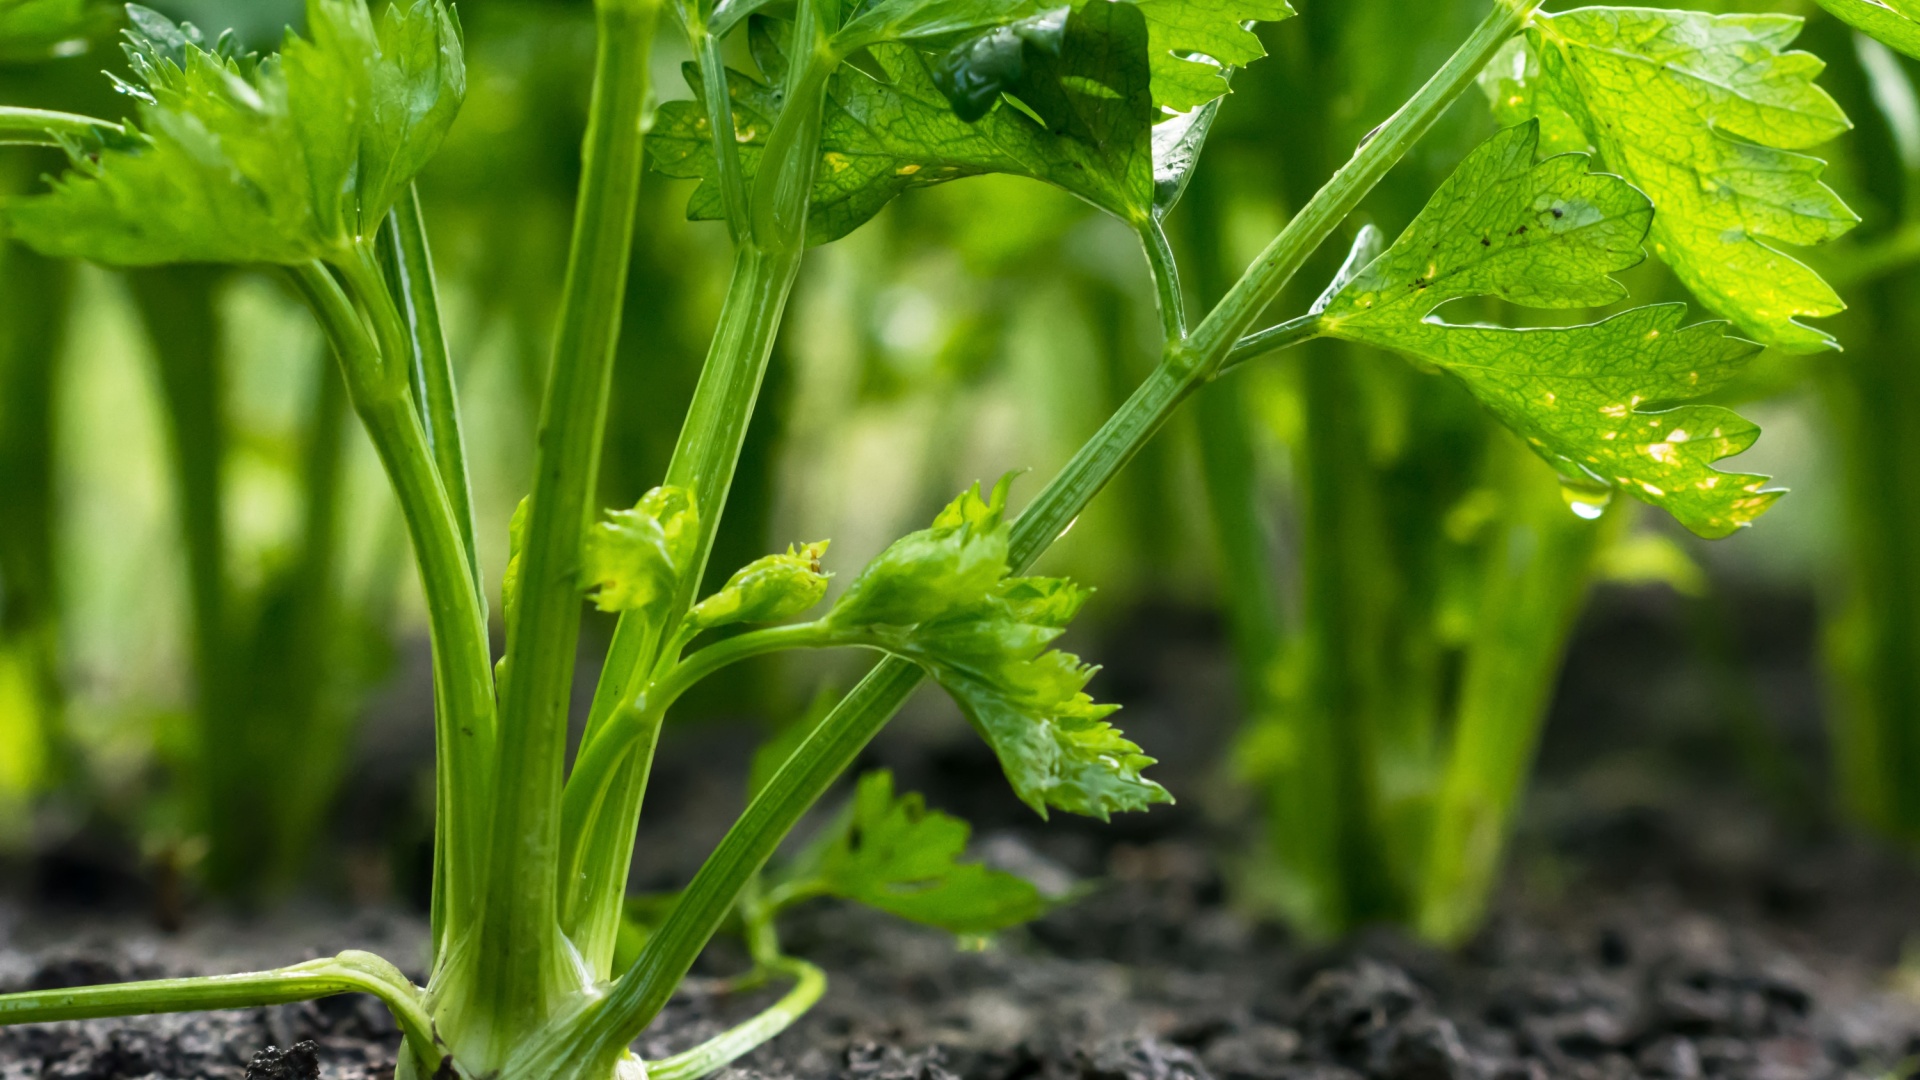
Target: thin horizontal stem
{"type": "Point", "coordinates": [42, 127]}
{"type": "Point", "coordinates": [351, 972]}
{"type": "Point", "coordinates": [1272, 340]}
{"type": "Point", "coordinates": [730, 1046]}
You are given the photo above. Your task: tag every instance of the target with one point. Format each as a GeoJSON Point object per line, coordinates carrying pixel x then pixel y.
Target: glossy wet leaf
{"type": "Point", "coordinates": [943, 598]}
{"type": "Point", "coordinates": [893, 131]}
{"type": "Point", "coordinates": [974, 73]}
{"type": "Point", "coordinates": [1895, 23]}
{"type": "Point", "coordinates": [634, 557]}
{"type": "Point", "coordinates": [1706, 114]}
{"type": "Point", "coordinates": [1605, 404]}
{"type": "Point", "coordinates": [1177, 143]}
{"type": "Point", "coordinates": [768, 589]}
{"type": "Point", "coordinates": [931, 21]}
{"type": "Point", "coordinates": [890, 852]}
{"type": "Point", "coordinates": [1181, 34]}
{"type": "Point", "coordinates": [237, 160]}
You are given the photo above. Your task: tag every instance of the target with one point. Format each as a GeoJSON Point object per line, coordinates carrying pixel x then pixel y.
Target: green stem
{"type": "Point", "coordinates": [1332, 204]}
{"type": "Point", "coordinates": [1273, 339]}
{"type": "Point", "coordinates": [1166, 281]}
{"type": "Point", "coordinates": [704, 462]}
{"type": "Point", "coordinates": [40, 127]}
{"type": "Point", "coordinates": [527, 972]}
{"type": "Point", "coordinates": [177, 306]}
{"type": "Point", "coordinates": [35, 297]}
{"type": "Point", "coordinates": [463, 668]}
{"type": "Point", "coordinates": [601, 811]}
{"type": "Point", "coordinates": [1532, 585]}
{"type": "Point", "coordinates": [417, 292]}
{"type": "Point", "coordinates": [349, 973]}
{"type": "Point", "coordinates": [646, 987]}
{"type": "Point", "coordinates": [809, 983]}
{"type": "Point", "coordinates": [719, 105]}
{"type": "Point", "coordinates": [594, 771]}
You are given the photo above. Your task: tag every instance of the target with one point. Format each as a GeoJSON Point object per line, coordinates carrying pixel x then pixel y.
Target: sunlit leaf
{"type": "Point", "coordinates": [1603, 403]}
{"type": "Point", "coordinates": [1893, 22]}
{"type": "Point", "coordinates": [1705, 114]}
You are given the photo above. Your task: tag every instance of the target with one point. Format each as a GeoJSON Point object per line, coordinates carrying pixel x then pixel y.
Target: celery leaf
{"type": "Point", "coordinates": [1707, 115]}
{"type": "Point", "coordinates": [891, 853]}
{"type": "Point", "coordinates": [234, 159]}
{"type": "Point", "coordinates": [1606, 404]}
{"type": "Point", "coordinates": [1896, 23]}
{"type": "Point", "coordinates": [1194, 42]}
{"type": "Point", "coordinates": [892, 129]}
{"type": "Point", "coordinates": [944, 598]}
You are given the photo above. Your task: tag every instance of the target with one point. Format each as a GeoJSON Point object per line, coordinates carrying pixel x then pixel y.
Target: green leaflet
{"type": "Point", "coordinates": [929, 21]}
{"type": "Point", "coordinates": [943, 599]}
{"type": "Point", "coordinates": [896, 131]}
{"type": "Point", "coordinates": [1703, 113]}
{"type": "Point", "coordinates": [1215, 28]}
{"type": "Point", "coordinates": [892, 853]}
{"type": "Point", "coordinates": [634, 557]}
{"type": "Point", "coordinates": [281, 160]}
{"type": "Point", "coordinates": [1547, 234]}
{"type": "Point", "coordinates": [1894, 22]}
{"type": "Point", "coordinates": [766, 590]}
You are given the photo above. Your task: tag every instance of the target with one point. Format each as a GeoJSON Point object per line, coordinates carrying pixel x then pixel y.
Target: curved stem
{"type": "Point", "coordinates": [41, 127]}
{"type": "Point", "coordinates": [728, 1047]}
{"type": "Point", "coordinates": [351, 972]}
{"type": "Point", "coordinates": [1166, 281]}
{"type": "Point", "coordinates": [462, 656]}
{"type": "Point", "coordinates": [638, 721]}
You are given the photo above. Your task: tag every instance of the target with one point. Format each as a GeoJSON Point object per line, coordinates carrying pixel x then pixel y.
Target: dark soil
{"type": "Point", "coordinates": [1149, 979]}
{"type": "Point", "coordinates": [1661, 921]}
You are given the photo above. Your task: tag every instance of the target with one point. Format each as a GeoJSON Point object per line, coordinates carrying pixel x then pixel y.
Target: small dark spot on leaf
{"type": "Point", "coordinates": [1559, 213]}
{"type": "Point", "coordinates": [1520, 231]}
{"type": "Point", "coordinates": [1484, 242]}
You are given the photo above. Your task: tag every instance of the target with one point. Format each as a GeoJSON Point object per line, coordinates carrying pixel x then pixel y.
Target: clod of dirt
{"type": "Point", "coordinates": [301, 1061]}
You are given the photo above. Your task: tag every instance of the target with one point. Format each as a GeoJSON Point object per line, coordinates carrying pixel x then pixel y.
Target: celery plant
{"type": "Point", "coordinates": [273, 681]}
{"type": "Point", "coordinates": [1439, 574]}
{"type": "Point", "coordinates": [298, 160]}
{"type": "Point", "coordinates": [34, 295]}
{"type": "Point", "coordinates": [1871, 619]}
